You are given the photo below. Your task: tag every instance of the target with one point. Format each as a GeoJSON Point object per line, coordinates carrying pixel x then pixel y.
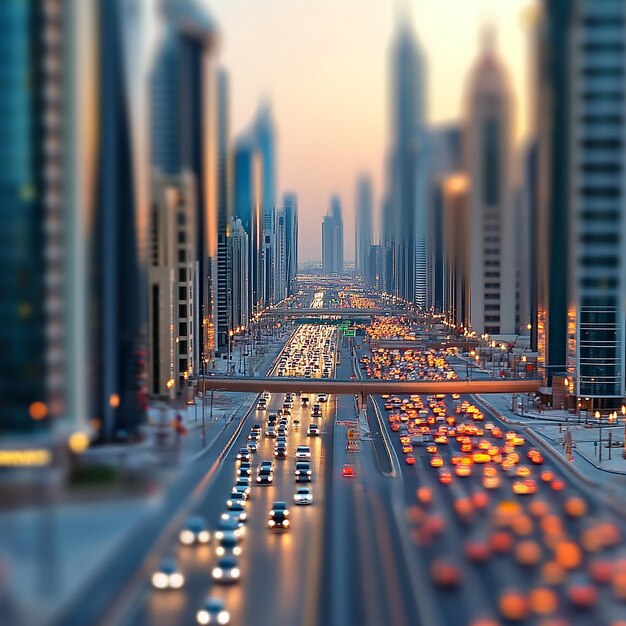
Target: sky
{"type": "Point", "coordinates": [324, 65]}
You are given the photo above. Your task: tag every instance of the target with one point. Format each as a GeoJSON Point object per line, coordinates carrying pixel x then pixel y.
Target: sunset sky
{"type": "Point", "coordinates": [324, 66]}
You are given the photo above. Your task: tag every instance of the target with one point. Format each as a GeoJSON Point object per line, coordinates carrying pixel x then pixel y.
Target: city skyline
{"type": "Point", "coordinates": [355, 131]}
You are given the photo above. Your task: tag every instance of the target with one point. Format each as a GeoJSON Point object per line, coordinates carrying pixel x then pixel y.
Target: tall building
{"type": "Point", "coordinates": [290, 204]}
{"type": "Point", "coordinates": [488, 154]}
{"type": "Point", "coordinates": [332, 239]}
{"type": "Point", "coordinates": [43, 311]}
{"type": "Point", "coordinates": [456, 250]}
{"type": "Point", "coordinates": [170, 283]}
{"type": "Point", "coordinates": [183, 105]}
{"type": "Point", "coordinates": [281, 256]}
{"type": "Point", "coordinates": [363, 225]}
{"type": "Point", "coordinates": [445, 161]}
{"type": "Point", "coordinates": [248, 207]}
{"type": "Point", "coordinates": [374, 269]}
{"type": "Point", "coordinates": [238, 257]}
{"type": "Point", "coordinates": [223, 286]}
{"type": "Point", "coordinates": [408, 164]}
{"type": "Point", "coordinates": [581, 278]}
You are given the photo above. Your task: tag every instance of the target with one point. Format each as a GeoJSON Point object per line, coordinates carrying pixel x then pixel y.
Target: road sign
{"type": "Point", "coordinates": [351, 434]}
{"type": "Point", "coordinates": [349, 333]}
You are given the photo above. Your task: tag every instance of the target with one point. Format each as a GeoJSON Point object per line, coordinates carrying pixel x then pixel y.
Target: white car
{"type": "Point", "coordinates": [213, 612]}
{"type": "Point", "coordinates": [303, 453]}
{"type": "Point", "coordinates": [168, 576]}
{"type": "Point", "coordinates": [303, 496]}
{"type": "Point", "coordinates": [226, 570]}
{"type": "Point", "coordinates": [194, 531]}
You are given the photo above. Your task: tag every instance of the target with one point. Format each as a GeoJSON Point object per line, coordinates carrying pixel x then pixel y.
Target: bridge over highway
{"type": "Point", "coordinates": [279, 384]}
{"type": "Point", "coordinates": [346, 312]}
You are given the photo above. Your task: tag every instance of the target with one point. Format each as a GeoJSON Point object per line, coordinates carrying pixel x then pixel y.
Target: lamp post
{"type": "Point", "coordinates": [599, 418]}
{"type": "Point", "coordinates": [205, 362]}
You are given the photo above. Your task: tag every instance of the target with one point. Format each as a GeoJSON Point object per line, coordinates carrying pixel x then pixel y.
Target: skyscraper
{"type": "Point", "coordinates": [488, 153]}
{"type": "Point", "coordinates": [335, 213]}
{"type": "Point", "coordinates": [290, 204]}
{"type": "Point", "coordinates": [281, 255]}
{"type": "Point", "coordinates": [248, 207]}
{"type": "Point", "coordinates": [238, 257]}
{"type": "Point", "coordinates": [224, 210]}
{"type": "Point", "coordinates": [183, 99]}
{"type": "Point", "coordinates": [363, 225]}
{"type": "Point", "coordinates": [329, 263]}
{"type": "Point", "coordinates": [581, 201]}
{"type": "Point", "coordinates": [406, 207]}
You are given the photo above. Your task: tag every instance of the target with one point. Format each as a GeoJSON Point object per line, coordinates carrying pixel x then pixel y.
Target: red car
{"type": "Point", "coordinates": [347, 471]}
{"type": "Point", "coordinates": [410, 459]}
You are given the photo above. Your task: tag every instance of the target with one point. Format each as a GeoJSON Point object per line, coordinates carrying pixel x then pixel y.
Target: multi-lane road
{"type": "Point", "coordinates": [365, 550]}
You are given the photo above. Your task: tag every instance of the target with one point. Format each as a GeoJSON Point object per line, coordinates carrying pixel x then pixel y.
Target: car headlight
{"type": "Point", "coordinates": [176, 580]}
{"type": "Point", "coordinates": [225, 516]}
{"type": "Point", "coordinates": [286, 513]}
{"type": "Point", "coordinates": [160, 580]}
{"type": "Point", "coordinates": [235, 572]}
{"type": "Point", "coordinates": [203, 617]}
{"type": "Point", "coordinates": [223, 617]}
{"type": "Point", "coordinates": [243, 516]}
{"type": "Point", "coordinates": [270, 479]}
{"type": "Point", "coordinates": [271, 523]}
{"type": "Point", "coordinates": [286, 523]}
{"type": "Point", "coordinates": [204, 536]}
{"type": "Point", "coordinates": [187, 537]}
{"type": "Point", "coordinates": [237, 550]}
{"type": "Point", "coordinates": [258, 479]}
{"type": "Point", "coordinates": [220, 551]}
{"type": "Point", "coordinates": [308, 472]}
{"type": "Point", "coordinates": [297, 472]}
{"type": "Point", "coordinates": [217, 572]}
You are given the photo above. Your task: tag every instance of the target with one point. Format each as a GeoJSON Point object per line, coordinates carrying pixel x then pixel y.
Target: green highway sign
{"type": "Point", "coordinates": [349, 333]}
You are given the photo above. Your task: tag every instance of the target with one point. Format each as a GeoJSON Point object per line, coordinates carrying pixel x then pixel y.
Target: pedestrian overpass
{"type": "Point", "coordinates": [280, 384]}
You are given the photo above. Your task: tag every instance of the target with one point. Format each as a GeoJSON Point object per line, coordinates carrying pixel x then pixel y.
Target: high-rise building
{"type": "Point", "coordinates": [184, 102]}
{"type": "Point", "coordinates": [248, 207]}
{"type": "Point", "coordinates": [446, 157]}
{"type": "Point", "coordinates": [407, 174]}
{"type": "Point", "coordinates": [581, 279]}
{"type": "Point", "coordinates": [363, 225]}
{"type": "Point", "coordinates": [238, 256]}
{"type": "Point", "coordinates": [290, 204]}
{"type": "Point", "coordinates": [488, 154]}
{"type": "Point", "coordinates": [373, 275]}
{"type": "Point", "coordinates": [332, 239]}
{"type": "Point", "coordinates": [170, 283]}
{"type": "Point", "coordinates": [224, 212]}
{"type": "Point", "coordinates": [43, 311]}
{"type": "Point", "coordinates": [281, 256]}
{"type": "Point", "coordinates": [456, 250]}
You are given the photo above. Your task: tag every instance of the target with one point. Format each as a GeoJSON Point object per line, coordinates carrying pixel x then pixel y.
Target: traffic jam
{"type": "Point", "coordinates": [289, 427]}
{"type": "Point", "coordinates": [500, 527]}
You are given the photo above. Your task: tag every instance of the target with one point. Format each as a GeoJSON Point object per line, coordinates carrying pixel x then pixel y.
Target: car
{"type": "Point", "coordinates": [304, 401]}
{"type": "Point", "coordinates": [243, 454]}
{"type": "Point", "coordinates": [242, 489]}
{"type": "Point", "coordinates": [244, 469]}
{"type": "Point", "coordinates": [226, 570]}
{"type": "Point", "coordinates": [347, 470]}
{"type": "Point", "coordinates": [525, 487]}
{"type": "Point", "coordinates": [229, 524]}
{"type": "Point", "coordinates": [303, 452]}
{"type": "Point", "coordinates": [322, 397]}
{"type": "Point", "coordinates": [213, 612]}
{"type": "Point", "coordinates": [167, 576]}
{"type": "Point", "coordinates": [280, 506]}
{"type": "Point", "coordinates": [237, 511]}
{"type": "Point", "coordinates": [265, 476]}
{"type": "Point", "coordinates": [296, 423]}
{"type": "Point", "coordinates": [195, 531]}
{"type": "Point", "coordinates": [303, 495]}
{"type": "Point", "coordinates": [303, 472]}
{"type": "Point", "coordinates": [436, 460]}
{"type": "Point", "coordinates": [261, 405]}
{"type": "Point", "coordinates": [313, 430]}
{"type": "Point", "coordinates": [236, 498]}
{"type": "Point", "coordinates": [280, 453]}
{"type": "Point", "coordinates": [270, 431]}
{"type": "Point", "coordinates": [266, 464]}
{"type": "Point", "coordinates": [252, 446]}
{"type": "Point", "coordinates": [228, 545]}
{"type": "Point", "coordinates": [254, 436]}
{"type": "Point", "coordinates": [409, 459]}
{"type": "Point", "coordinates": [279, 520]}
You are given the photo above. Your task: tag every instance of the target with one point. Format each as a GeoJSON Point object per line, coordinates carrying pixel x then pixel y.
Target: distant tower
{"type": "Point", "coordinates": [488, 164]}
{"type": "Point", "coordinates": [363, 225]}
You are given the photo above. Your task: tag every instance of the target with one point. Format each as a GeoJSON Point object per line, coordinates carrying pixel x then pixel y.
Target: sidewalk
{"type": "Point", "coordinates": [48, 550]}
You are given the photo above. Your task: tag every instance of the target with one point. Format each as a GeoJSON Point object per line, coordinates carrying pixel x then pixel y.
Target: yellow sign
{"type": "Point", "coordinates": [25, 458]}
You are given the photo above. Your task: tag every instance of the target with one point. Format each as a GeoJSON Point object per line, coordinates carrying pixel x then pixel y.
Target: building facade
{"type": "Point", "coordinates": [488, 164]}
{"type": "Point", "coordinates": [363, 225]}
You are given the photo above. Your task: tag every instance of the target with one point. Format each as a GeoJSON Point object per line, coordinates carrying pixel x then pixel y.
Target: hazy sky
{"type": "Point", "coordinates": [324, 66]}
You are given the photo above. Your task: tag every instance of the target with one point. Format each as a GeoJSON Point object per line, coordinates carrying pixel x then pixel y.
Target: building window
{"type": "Point", "coordinates": [182, 311]}
{"type": "Point", "coordinates": [181, 236]}
{"type": "Point", "coordinates": [182, 255]}
{"type": "Point", "coordinates": [182, 329]}
{"type": "Point", "coordinates": [182, 347]}
{"type": "Point", "coordinates": [491, 165]}
{"type": "Point", "coordinates": [182, 275]}
{"type": "Point", "coordinates": [182, 293]}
